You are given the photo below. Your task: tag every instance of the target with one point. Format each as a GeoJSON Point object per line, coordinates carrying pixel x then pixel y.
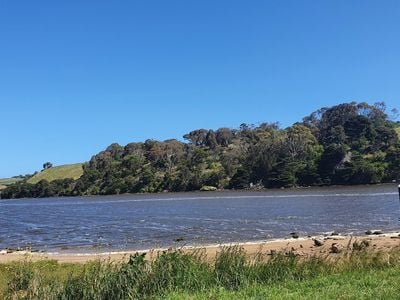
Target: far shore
{"type": "Point", "coordinates": [246, 190]}
{"type": "Point", "coordinates": [302, 246]}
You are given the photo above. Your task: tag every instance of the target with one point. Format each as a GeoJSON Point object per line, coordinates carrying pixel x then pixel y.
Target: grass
{"type": "Point", "coordinates": [19, 275]}
{"type": "Point", "coordinates": [357, 274]}
{"type": "Point", "coordinates": [4, 182]}
{"type": "Point", "coordinates": [358, 284]}
{"type": "Point", "coordinates": [73, 171]}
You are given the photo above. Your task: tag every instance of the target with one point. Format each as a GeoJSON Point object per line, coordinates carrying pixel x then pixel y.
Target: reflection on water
{"type": "Point", "coordinates": [146, 221]}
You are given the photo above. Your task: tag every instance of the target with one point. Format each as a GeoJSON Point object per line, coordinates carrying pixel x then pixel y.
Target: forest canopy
{"type": "Point", "coordinates": [350, 143]}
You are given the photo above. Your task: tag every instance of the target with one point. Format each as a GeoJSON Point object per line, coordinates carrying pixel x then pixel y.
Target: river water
{"type": "Point", "coordinates": [128, 222]}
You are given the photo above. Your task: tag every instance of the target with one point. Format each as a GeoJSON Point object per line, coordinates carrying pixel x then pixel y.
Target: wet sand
{"type": "Point", "coordinates": [303, 246]}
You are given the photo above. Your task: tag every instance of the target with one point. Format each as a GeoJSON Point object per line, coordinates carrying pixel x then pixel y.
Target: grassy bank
{"type": "Point", "coordinates": [176, 275]}
{"type": "Point", "coordinates": [73, 171]}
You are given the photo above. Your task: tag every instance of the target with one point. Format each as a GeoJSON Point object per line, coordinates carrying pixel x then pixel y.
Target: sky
{"type": "Point", "coordinates": [76, 76]}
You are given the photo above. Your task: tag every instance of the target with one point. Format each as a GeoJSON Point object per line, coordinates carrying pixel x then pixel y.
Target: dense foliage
{"type": "Point", "coordinates": [351, 143]}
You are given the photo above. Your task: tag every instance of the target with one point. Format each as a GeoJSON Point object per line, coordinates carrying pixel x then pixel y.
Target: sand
{"type": "Point", "coordinates": [303, 246]}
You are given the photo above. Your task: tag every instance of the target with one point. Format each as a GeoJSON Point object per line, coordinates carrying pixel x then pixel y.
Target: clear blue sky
{"type": "Point", "coordinates": [76, 76]}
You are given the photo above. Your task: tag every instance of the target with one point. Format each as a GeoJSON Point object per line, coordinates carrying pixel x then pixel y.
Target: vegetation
{"type": "Point", "coordinates": [351, 143]}
{"type": "Point", "coordinates": [4, 182]}
{"type": "Point", "coordinates": [178, 275]}
{"type": "Point", "coordinates": [47, 165]}
{"type": "Point", "coordinates": [50, 173]}
{"type": "Point", "coordinates": [357, 284]}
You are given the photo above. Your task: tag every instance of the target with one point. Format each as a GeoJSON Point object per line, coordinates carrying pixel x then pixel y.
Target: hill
{"type": "Point", "coordinates": [73, 171]}
{"type": "Point", "coordinates": [4, 182]}
{"type": "Point", "coordinates": [350, 143]}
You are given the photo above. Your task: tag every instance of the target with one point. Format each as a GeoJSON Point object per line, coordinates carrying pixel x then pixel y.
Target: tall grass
{"type": "Point", "coordinates": [177, 271]}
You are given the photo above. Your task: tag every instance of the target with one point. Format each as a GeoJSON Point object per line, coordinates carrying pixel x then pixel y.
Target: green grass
{"type": "Point", "coordinates": [358, 284]}
{"type": "Point", "coordinates": [398, 131]}
{"type": "Point", "coordinates": [4, 182]}
{"type": "Point", "coordinates": [357, 274]}
{"type": "Point", "coordinates": [73, 171]}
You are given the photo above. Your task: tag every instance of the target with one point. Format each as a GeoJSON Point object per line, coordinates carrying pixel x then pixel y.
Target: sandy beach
{"type": "Point", "coordinates": [302, 246]}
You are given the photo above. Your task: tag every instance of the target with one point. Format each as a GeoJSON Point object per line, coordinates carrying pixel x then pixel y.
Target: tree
{"type": "Point", "coordinates": [47, 165]}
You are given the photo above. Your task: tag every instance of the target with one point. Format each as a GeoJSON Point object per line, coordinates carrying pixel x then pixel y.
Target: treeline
{"type": "Point", "coordinates": [351, 143]}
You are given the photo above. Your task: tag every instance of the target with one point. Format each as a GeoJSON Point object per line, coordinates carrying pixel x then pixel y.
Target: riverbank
{"type": "Point", "coordinates": [332, 267]}
{"type": "Point", "coordinates": [253, 190]}
{"type": "Point", "coordinates": [301, 246]}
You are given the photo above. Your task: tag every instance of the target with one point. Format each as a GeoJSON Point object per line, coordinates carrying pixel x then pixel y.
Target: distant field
{"type": "Point", "coordinates": [73, 171]}
{"type": "Point", "coordinates": [4, 182]}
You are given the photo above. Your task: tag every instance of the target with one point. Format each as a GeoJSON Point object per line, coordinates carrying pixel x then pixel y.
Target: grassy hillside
{"type": "Point", "coordinates": [73, 171]}
{"type": "Point", "coordinates": [398, 131]}
{"type": "Point", "coordinates": [4, 182]}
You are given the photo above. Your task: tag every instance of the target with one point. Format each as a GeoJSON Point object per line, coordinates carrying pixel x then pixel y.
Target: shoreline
{"type": "Point", "coordinates": [302, 246]}
{"type": "Point", "coordinates": [249, 190]}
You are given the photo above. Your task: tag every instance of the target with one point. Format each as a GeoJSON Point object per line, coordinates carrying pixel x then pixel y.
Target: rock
{"type": "Point", "coordinates": [179, 239]}
{"type": "Point", "coordinates": [208, 188]}
{"type": "Point", "coordinates": [374, 232]}
{"type": "Point", "coordinates": [336, 248]}
{"type": "Point", "coordinates": [318, 242]}
{"type": "Point", "coordinates": [294, 235]}
{"type": "Point", "coordinates": [3, 252]}
{"type": "Point", "coordinates": [335, 233]}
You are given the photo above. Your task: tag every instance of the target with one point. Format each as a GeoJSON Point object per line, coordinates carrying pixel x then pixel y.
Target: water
{"type": "Point", "coordinates": [127, 222]}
